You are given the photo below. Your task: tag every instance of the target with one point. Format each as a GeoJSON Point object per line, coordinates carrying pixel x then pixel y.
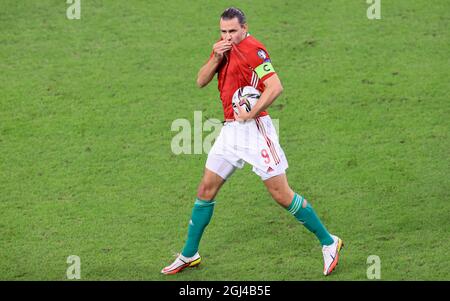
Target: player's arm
{"type": "Point", "coordinates": [206, 73]}
{"type": "Point", "coordinates": [272, 90]}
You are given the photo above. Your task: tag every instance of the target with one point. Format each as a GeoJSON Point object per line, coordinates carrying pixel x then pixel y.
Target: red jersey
{"type": "Point", "coordinates": [246, 64]}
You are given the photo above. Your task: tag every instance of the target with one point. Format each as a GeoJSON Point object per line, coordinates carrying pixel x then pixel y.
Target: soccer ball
{"type": "Point", "coordinates": [245, 97]}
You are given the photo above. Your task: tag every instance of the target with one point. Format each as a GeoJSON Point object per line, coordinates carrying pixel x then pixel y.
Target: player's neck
{"type": "Point", "coordinates": [246, 36]}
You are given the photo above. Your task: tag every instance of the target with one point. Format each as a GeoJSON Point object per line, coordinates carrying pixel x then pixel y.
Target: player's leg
{"type": "Point", "coordinates": [272, 172]}
{"type": "Point", "coordinates": [217, 170]}
{"type": "Point", "coordinates": [209, 185]}
{"type": "Point", "coordinates": [302, 210]}
{"type": "Point", "coordinates": [280, 191]}
{"type": "Point", "coordinates": [202, 211]}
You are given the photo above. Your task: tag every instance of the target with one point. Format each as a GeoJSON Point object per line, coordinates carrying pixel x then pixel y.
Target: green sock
{"type": "Point", "coordinates": [308, 217]}
{"type": "Point", "coordinates": [201, 215]}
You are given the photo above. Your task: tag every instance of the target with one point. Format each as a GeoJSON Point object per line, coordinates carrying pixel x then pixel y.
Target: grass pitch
{"type": "Point", "coordinates": [86, 166]}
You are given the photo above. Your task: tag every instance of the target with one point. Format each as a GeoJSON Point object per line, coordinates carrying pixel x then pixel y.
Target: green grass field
{"type": "Point", "coordinates": [86, 166]}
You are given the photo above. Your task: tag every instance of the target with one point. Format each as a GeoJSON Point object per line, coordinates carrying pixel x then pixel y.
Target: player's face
{"type": "Point", "coordinates": [232, 31]}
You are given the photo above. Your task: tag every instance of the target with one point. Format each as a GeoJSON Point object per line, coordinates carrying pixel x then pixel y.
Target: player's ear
{"type": "Point", "coordinates": [245, 29]}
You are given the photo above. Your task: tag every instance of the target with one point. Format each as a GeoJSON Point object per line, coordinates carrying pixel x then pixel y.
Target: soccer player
{"type": "Point", "coordinates": [241, 60]}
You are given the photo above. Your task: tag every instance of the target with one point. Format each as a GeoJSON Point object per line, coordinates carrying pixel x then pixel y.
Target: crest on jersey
{"type": "Point", "coordinates": [262, 54]}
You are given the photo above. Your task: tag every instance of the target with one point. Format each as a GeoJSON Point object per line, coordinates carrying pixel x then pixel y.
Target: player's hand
{"type": "Point", "coordinates": [220, 48]}
{"type": "Point", "coordinates": [243, 114]}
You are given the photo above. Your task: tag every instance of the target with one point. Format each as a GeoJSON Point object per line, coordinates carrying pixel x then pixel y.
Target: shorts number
{"type": "Point", "coordinates": [265, 155]}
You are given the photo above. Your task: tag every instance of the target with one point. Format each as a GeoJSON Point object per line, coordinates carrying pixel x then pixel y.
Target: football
{"type": "Point", "coordinates": [245, 97]}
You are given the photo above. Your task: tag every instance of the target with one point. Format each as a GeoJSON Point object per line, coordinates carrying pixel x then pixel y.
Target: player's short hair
{"type": "Point", "coordinates": [233, 12]}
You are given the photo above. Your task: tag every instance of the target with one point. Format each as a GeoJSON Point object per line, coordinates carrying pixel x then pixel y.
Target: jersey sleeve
{"type": "Point", "coordinates": [259, 60]}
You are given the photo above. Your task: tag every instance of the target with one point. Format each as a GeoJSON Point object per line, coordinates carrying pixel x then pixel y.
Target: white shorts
{"type": "Point", "coordinates": [254, 141]}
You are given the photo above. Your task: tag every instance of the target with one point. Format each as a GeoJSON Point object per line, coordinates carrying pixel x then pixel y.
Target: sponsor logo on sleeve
{"type": "Point", "coordinates": [262, 54]}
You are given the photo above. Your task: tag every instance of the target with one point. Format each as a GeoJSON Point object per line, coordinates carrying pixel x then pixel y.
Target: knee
{"type": "Point", "coordinates": [205, 191]}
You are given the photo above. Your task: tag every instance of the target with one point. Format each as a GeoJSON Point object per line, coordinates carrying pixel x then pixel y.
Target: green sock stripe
{"type": "Point", "coordinates": [292, 202]}
{"type": "Point", "coordinates": [199, 199]}
{"type": "Point", "coordinates": [204, 203]}
{"type": "Point", "coordinates": [296, 204]}
{"type": "Point", "coordinates": [300, 203]}
{"type": "Point", "coordinates": [293, 205]}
